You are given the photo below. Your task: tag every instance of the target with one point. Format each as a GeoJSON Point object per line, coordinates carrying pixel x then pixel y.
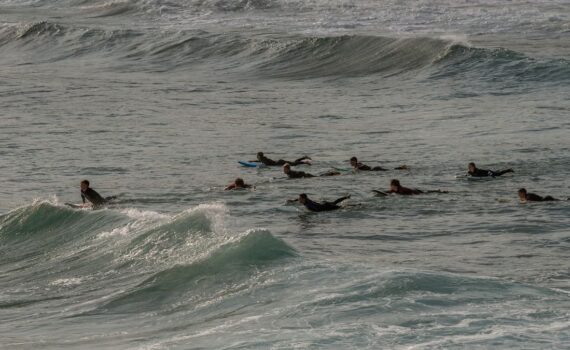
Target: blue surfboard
{"type": "Point", "coordinates": [251, 164]}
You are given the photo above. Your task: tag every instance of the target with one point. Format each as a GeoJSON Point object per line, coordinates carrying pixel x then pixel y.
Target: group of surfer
{"type": "Point", "coordinates": [395, 186]}
{"type": "Point", "coordinates": [91, 198]}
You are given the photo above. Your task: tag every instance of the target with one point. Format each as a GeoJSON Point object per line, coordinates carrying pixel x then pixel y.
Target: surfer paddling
{"type": "Point", "coordinates": [316, 206]}
{"type": "Point", "coordinates": [270, 162]}
{"type": "Point", "coordinates": [90, 195]}
{"type": "Point", "coordinates": [397, 188]}
{"type": "Point", "coordinates": [356, 165]}
{"type": "Point", "coordinates": [472, 170]}
{"type": "Point", "coordinates": [525, 196]}
{"type": "Point", "coordinates": [301, 174]}
{"type": "Point", "coordinates": [238, 184]}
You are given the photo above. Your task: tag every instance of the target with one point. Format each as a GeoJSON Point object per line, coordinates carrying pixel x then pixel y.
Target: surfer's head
{"type": "Point", "coordinates": [353, 161]}
{"type": "Point", "coordinates": [286, 168]}
{"type": "Point", "coordinates": [239, 182]}
{"type": "Point", "coordinates": [471, 166]}
{"type": "Point", "coordinates": [394, 185]}
{"type": "Point", "coordinates": [302, 198]}
{"type": "Point", "coordinates": [259, 155]}
{"type": "Point", "coordinates": [522, 194]}
{"type": "Point", "coordinates": [84, 185]}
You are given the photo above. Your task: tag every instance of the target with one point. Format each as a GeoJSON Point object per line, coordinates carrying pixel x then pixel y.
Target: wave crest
{"type": "Point", "coordinates": [280, 57]}
{"type": "Point", "coordinates": [228, 265]}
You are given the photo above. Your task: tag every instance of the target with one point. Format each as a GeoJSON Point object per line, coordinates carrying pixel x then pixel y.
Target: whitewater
{"type": "Point", "coordinates": [155, 101]}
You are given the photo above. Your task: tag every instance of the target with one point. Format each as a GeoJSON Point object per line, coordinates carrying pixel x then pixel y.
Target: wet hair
{"type": "Point", "coordinates": [303, 195]}
{"type": "Point", "coordinates": [522, 190]}
{"type": "Point", "coordinates": [260, 154]}
{"type": "Point", "coordinates": [239, 182]}
{"type": "Point", "coordinates": [395, 182]}
{"type": "Point", "coordinates": [353, 158]}
{"type": "Point", "coordinates": [85, 182]}
{"type": "Point", "coordinates": [286, 165]}
{"type": "Point", "coordinates": [471, 164]}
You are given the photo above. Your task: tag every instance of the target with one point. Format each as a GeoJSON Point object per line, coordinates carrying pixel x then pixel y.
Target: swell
{"type": "Point", "coordinates": [292, 57]}
{"type": "Point", "coordinates": [55, 247]}
{"type": "Point", "coordinates": [499, 64]}
{"type": "Point", "coordinates": [105, 8]}
{"type": "Point", "coordinates": [31, 232]}
{"type": "Point", "coordinates": [220, 272]}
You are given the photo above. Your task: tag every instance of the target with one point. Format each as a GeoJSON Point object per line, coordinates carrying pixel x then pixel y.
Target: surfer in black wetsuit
{"type": "Point", "coordinates": [270, 162]}
{"type": "Point", "coordinates": [356, 165]}
{"type": "Point", "coordinates": [525, 196]}
{"type": "Point", "coordinates": [475, 172]}
{"type": "Point", "coordinates": [397, 188]}
{"type": "Point", "coordinates": [315, 206]}
{"type": "Point", "coordinates": [238, 184]}
{"type": "Point", "coordinates": [301, 174]}
{"type": "Point", "coordinates": [90, 195]}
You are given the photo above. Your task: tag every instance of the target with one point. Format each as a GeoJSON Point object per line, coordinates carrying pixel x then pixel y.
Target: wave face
{"type": "Point", "coordinates": [282, 57]}
{"type": "Point", "coordinates": [500, 64]}
{"type": "Point", "coordinates": [149, 253]}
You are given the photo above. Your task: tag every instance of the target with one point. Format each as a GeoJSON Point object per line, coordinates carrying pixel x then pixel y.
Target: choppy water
{"type": "Point", "coordinates": [155, 101]}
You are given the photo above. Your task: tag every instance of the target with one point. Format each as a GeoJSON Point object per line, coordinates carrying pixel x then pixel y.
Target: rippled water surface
{"type": "Point", "coordinates": [155, 102]}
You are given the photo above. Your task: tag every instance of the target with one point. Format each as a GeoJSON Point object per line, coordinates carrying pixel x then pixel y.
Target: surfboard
{"type": "Point", "coordinates": [473, 178]}
{"type": "Point", "coordinates": [251, 164]}
{"type": "Point", "coordinates": [380, 193]}
{"type": "Point", "coordinates": [343, 169]}
{"type": "Point", "coordinates": [76, 206]}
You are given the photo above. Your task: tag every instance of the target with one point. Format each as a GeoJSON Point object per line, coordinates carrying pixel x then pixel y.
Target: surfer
{"type": "Point", "coordinates": [301, 174]}
{"type": "Point", "coordinates": [356, 165]}
{"type": "Point", "coordinates": [525, 196]}
{"type": "Point", "coordinates": [238, 184]}
{"type": "Point", "coordinates": [397, 188]}
{"type": "Point", "coordinates": [475, 172]}
{"type": "Point", "coordinates": [90, 195]}
{"type": "Point", "coordinates": [270, 162]}
{"type": "Point", "coordinates": [315, 206]}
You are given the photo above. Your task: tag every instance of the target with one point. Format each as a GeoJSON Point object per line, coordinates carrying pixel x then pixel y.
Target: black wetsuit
{"type": "Point", "coordinates": [364, 167]}
{"type": "Point", "coordinates": [531, 197]}
{"type": "Point", "coordinates": [92, 196]}
{"type": "Point", "coordinates": [485, 173]}
{"type": "Point", "coordinates": [325, 206]}
{"type": "Point", "coordinates": [298, 174]}
{"type": "Point", "coordinates": [407, 191]}
{"type": "Point", "coordinates": [271, 162]}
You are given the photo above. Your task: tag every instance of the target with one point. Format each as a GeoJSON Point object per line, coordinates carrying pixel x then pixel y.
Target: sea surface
{"type": "Point", "coordinates": [155, 101]}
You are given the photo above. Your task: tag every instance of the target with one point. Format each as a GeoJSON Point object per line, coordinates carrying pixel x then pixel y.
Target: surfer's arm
{"type": "Point", "coordinates": [341, 199]}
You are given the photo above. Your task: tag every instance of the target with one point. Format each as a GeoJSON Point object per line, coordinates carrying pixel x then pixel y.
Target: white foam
{"type": "Point", "coordinates": [144, 214]}
{"type": "Point", "coordinates": [67, 282]}
{"type": "Point", "coordinates": [456, 39]}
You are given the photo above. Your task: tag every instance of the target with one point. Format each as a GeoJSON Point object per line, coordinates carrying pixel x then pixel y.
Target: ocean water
{"type": "Point", "coordinates": [155, 101]}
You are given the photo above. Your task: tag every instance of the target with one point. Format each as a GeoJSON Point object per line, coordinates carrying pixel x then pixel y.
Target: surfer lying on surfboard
{"type": "Point", "coordinates": [525, 196]}
{"type": "Point", "coordinates": [90, 195]}
{"type": "Point", "coordinates": [238, 184]}
{"type": "Point", "coordinates": [270, 162]}
{"type": "Point", "coordinates": [316, 206]}
{"type": "Point", "coordinates": [396, 188]}
{"type": "Point", "coordinates": [301, 174]}
{"type": "Point", "coordinates": [356, 165]}
{"type": "Point", "coordinates": [475, 172]}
